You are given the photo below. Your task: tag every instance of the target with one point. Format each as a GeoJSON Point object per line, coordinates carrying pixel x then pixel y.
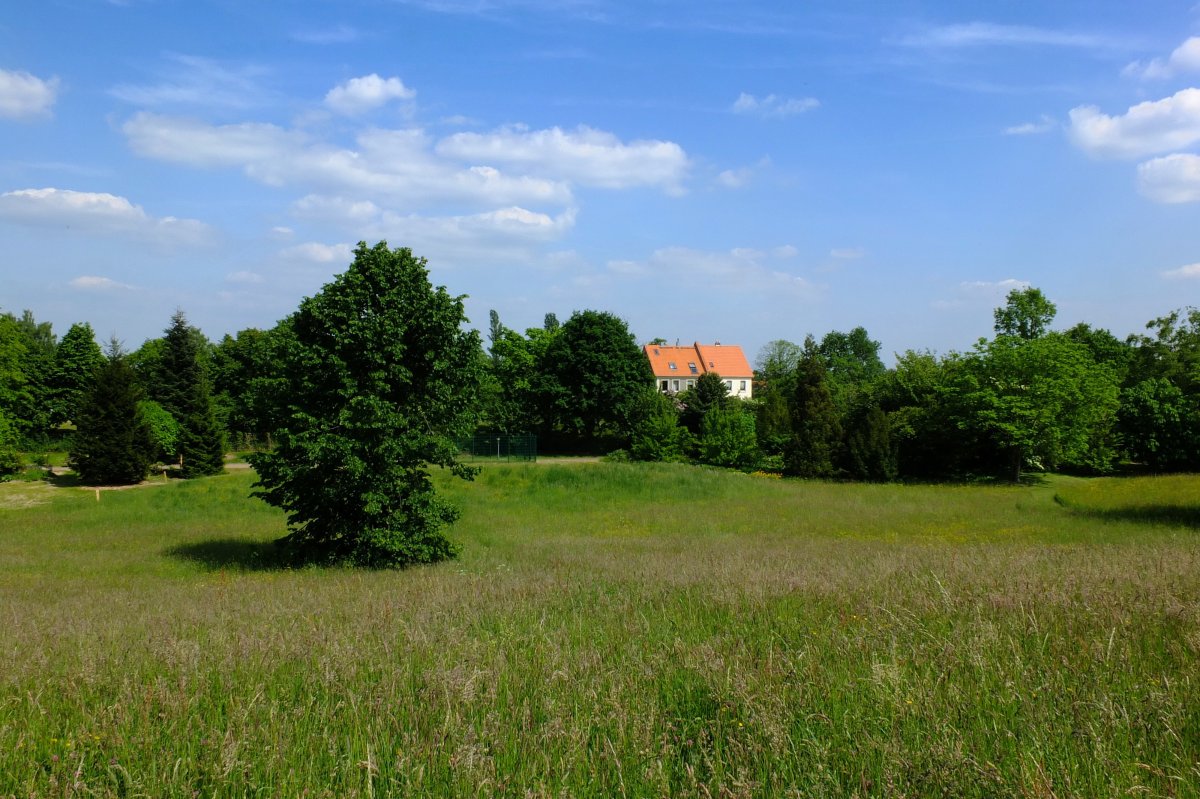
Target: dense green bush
{"type": "Point", "coordinates": [658, 436]}
{"type": "Point", "coordinates": [728, 438]}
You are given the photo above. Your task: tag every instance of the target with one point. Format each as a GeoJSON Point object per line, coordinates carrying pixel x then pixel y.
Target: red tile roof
{"type": "Point", "coordinates": [726, 360]}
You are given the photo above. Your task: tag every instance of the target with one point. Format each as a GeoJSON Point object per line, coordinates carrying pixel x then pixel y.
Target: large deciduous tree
{"type": "Point", "coordinates": [381, 378]}
{"type": "Point", "coordinates": [1026, 314]}
{"type": "Point", "coordinates": [596, 376]}
{"type": "Point", "coordinates": [76, 359]}
{"type": "Point", "coordinates": [32, 344]}
{"type": "Point", "coordinates": [1043, 399]}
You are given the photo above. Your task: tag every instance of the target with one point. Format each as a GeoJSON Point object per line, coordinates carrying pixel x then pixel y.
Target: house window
{"type": "Point", "coordinates": [664, 385]}
{"type": "Point", "coordinates": [743, 386]}
{"type": "Point", "coordinates": [671, 364]}
{"type": "Point", "coordinates": [676, 385]}
{"type": "Point", "coordinates": [729, 385]}
{"type": "Point", "coordinates": [692, 366]}
{"type": "Point", "coordinates": [691, 384]}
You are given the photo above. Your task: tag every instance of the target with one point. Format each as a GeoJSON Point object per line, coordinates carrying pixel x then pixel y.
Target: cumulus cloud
{"type": "Point", "coordinates": [359, 95]}
{"type": "Point", "coordinates": [1189, 272]}
{"type": "Point", "coordinates": [97, 283]}
{"type": "Point", "coordinates": [773, 106]}
{"type": "Point", "coordinates": [1044, 125]}
{"type": "Point", "coordinates": [1171, 179]}
{"type": "Point", "coordinates": [585, 155]}
{"type": "Point", "coordinates": [504, 233]}
{"type": "Point", "coordinates": [1184, 59]}
{"type": "Point", "coordinates": [1147, 128]}
{"type": "Point", "coordinates": [397, 165]}
{"type": "Point", "coordinates": [96, 212]}
{"type": "Point", "coordinates": [25, 96]}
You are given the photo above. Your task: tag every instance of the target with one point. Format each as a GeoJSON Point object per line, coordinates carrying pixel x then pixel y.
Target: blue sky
{"type": "Point", "coordinates": [707, 170]}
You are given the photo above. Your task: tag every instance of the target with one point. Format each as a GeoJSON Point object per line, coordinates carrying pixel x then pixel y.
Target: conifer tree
{"type": "Point", "coordinates": [184, 391]}
{"type": "Point", "coordinates": [112, 444]}
{"type": "Point", "coordinates": [817, 429]}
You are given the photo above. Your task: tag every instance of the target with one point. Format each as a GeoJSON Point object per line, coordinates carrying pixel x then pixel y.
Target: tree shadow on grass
{"type": "Point", "coordinates": [232, 553]}
{"type": "Point", "coordinates": [1167, 515]}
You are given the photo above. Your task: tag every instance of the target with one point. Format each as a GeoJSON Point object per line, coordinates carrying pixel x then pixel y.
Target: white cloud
{"type": "Point", "coordinates": [320, 253]}
{"type": "Point", "coordinates": [359, 95]}
{"type": "Point", "coordinates": [192, 80]}
{"type": "Point", "coordinates": [973, 293]}
{"type": "Point", "coordinates": [1147, 128]}
{"type": "Point", "coordinates": [735, 178]}
{"type": "Point", "coordinates": [245, 277]}
{"type": "Point", "coordinates": [992, 288]}
{"type": "Point", "coordinates": [738, 271]}
{"type": "Point", "coordinates": [1171, 179]}
{"type": "Point", "coordinates": [977, 34]}
{"type": "Point", "coordinates": [1043, 125]}
{"type": "Point", "coordinates": [1185, 58]}
{"type": "Point", "coordinates": [1189, 272]}
{"type": "Point", "coordinates": [25, 96]}
{"type": "Point", "coordinates": [505, 233]}
{"type": "Point", "coordinates": [772, 106]}
{"type": "Point", "coordinates": [738, 178]}
{"type": "Point", "coordinates": [786, 251]}
{"type": "Point", "coordinates": [97, 283]}
{"type": "Point", "coordinates": [396, 165]}
{"type": "Point", "coordinates": [847, 253]}
{"type": "Point", "coordinates": [586, 156]}
{"type": "Point", "coordinates": [339, 34]}
{"type": "Point", "coordinates": [96, 212]}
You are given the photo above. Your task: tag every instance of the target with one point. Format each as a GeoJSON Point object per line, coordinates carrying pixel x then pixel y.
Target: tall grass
{"type": "Point", "coordinates": [613, 630]}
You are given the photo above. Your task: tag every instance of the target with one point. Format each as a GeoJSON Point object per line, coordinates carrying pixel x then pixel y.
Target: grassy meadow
{"type": "Point", "coordinates": [611, 630]}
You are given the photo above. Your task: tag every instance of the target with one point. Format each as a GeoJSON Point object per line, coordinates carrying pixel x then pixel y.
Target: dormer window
{"type": "Point", "coordinates": [671, 365]}
{"type": "Point", "coordinates": [692, 366]}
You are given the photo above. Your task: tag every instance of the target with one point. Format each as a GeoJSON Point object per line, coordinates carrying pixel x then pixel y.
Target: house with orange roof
{"type": "Point", "coordinates": [677, 368]}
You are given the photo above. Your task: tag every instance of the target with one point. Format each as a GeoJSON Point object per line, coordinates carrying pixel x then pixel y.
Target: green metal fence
{"type": "Point", "coordinates": [499, 448]}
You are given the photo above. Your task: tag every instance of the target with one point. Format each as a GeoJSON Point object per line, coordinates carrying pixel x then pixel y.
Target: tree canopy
{"type": "Point", "coordinates": [1026, 314]}
{"type": "Point", "coordinates": [380, 378]}
{"type": "Point", "coordinates": [596, 374]}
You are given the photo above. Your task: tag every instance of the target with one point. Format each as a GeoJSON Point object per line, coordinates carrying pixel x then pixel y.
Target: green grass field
{"type": "Point", "coordinates": [611, 630]}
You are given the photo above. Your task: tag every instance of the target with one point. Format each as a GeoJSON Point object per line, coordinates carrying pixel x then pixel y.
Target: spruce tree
{"type": "Point", "coordinates": [183, 390]}
{"type": "Point", "coordinates": [870, 454]}
{"type": "Point", "coordinates": [817, 431]}
{"type": "Point", "coordinates": [112, 445]}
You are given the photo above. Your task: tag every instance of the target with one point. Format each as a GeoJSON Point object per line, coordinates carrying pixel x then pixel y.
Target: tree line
{"type": "Point", "coordinates": [1030, 397]}
{"type": "Point", "coordinates": [375, 378]}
